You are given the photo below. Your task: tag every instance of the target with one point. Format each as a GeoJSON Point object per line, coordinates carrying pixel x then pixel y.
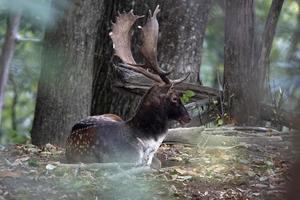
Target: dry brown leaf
{"type": "Point", "coordinates": [7, 173]}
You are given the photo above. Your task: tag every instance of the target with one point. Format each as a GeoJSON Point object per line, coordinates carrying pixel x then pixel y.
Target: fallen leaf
{"type": "Point", "coordinates": [184, 178]}
{"type": "Point", "coordinates": [10, 174]}
{"type": "Point", "coordinates": [180, 171]}
{"type": "Point", "coordinates": [178, 159]}
{"type": "Point", "coordinates": [256, 194]}
{"type": "Point", "coordinates": [20, 161]}
{"type": "Point", "coordinates": [50, 167]}
{"type": "Point", "coordinates": [263, 178]}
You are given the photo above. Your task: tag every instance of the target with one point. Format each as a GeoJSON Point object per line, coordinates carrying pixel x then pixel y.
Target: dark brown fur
{"type": "Point", "coordinates": [101, 139]}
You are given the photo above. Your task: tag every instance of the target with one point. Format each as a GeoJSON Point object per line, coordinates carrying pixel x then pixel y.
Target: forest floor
{"type": "Point", "coordinates": [246, 170]}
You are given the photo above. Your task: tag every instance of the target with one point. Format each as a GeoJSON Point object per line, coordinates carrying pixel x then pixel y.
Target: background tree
{"type": "Point", "coordinates": [246, 58]}
{"type": "Point", "coordinates": [64, 91]}
{"type": "Point", "coordinates": [7, 52]}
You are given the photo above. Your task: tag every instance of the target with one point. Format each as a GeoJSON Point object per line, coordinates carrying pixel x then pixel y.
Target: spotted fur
{"type": "Point", "coordinates": [110, 139]}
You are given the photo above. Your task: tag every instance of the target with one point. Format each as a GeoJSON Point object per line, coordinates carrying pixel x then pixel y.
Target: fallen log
{"type": "Point", "coordinates": [202, 137]}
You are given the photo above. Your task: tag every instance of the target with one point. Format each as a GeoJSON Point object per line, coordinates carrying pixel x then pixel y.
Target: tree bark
{"type": "Point", "coordinates": [264, 50]}
{"type": "Point", "coordinates": [65, 87]}
{"type": "Point", "coordinates": [182, 27]}
{"type": "Point", "coordinates": [14, 119]}
{"type": "Point", "coordinates": [7, 52]}
{"type": "Point", "coordinates": [239, 73]}
{"type": "Point", "coordinates": [295, 39]}
{"type": "Point", "coordinates": [246, 59]}
{"type": "Point", "coordinates": [107, 99]}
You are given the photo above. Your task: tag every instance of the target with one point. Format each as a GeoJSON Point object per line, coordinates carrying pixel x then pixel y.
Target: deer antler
{"type": "Point", "coordinates": [149, 47]}
{"type": "Point", "coordinates": [121, 38]}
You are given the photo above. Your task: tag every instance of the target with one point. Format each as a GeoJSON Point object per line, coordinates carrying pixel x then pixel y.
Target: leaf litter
{"type": "Point", "coordinates": [238, 172]}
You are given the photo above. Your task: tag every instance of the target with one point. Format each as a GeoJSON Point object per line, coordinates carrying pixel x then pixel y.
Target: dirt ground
{"type": "Point", "coordinates": [250, 169]}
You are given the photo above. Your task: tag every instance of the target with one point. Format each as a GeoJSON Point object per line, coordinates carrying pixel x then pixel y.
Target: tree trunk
{"type": "Point", "coordinates": [182, 26]}
{"type": "Point", "coordinates": [263, 58]}
{"type": "Point", "coordinates": [65, 86]}
{"type": "Point", "coordinates": [106, 99]}
{"type": "Point", "coordinates": [246, 59]}
{"type": "Point", "coordinates": [239, 73]}
{"type": "Point", "coordinates": [7, 52]}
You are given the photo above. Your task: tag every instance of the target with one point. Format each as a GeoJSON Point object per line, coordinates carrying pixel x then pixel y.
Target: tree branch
{"type": "Point", "coordinates": [7, 52]}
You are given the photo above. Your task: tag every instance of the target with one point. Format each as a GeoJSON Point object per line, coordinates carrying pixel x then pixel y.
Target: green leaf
{"type": "Point", "coordinates": [220, 122]}
{"type": "Point", "coordinates": [186, 96]}
{"type": "Point", "coordinates": [189, 93]}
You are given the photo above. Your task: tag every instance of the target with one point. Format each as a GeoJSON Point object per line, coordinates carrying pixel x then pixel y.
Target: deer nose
{"type": "Point", "coordinates": [184, 120]}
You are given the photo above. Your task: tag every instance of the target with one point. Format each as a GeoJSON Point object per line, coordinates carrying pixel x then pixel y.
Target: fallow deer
{"type": "Point", "coordinates": [107, 138]}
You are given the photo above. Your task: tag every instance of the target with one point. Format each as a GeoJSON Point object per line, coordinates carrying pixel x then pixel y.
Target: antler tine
{"type": "Point", "coordinates": [143, 71]}
{"type": "Point", "coordinates": [121, 38]}
{"type": "Point", "coordinates": [149, 46]}
{"type": "Point", "coordinates": [177, 81]}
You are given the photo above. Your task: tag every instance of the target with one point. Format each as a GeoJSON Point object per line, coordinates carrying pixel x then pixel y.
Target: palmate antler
{"type": "Point", "coordinates": [121, 38]}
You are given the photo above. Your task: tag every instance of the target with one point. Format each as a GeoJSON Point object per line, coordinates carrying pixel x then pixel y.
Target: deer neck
{"type": "Point", "coordinates": [149, 122]}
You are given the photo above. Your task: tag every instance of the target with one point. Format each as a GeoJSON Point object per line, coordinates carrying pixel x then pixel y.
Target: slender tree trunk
{"type": "Point", "coordinates": [14, 119]}
{"type": "Point", "coordinates": [239, 73]}
{"type": "Point", "coordinates": [65, 86]}
{"type": "Point", "coordinates": [182, 27]}
{"type": "Point", "coordinates": [7, 52]}
{"type": "Point", "coordinates": [295, 39]}
{"type": "Point", "coordinates": [263, 59]}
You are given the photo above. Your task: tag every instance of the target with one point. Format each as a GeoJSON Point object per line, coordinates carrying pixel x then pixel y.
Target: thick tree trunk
{"type": "Point", "coordinates": [182, 27]}
{"type": "Point", "coordinates": [246, 59]}
{"type": "Point", "coordinates": [7, 52]}
{"type": "Point", "coordinates": [239, 73]}
{"type": "Point", "coordinates": [65, 86]}
{"type": "Point", "coordinates": [106, 99]}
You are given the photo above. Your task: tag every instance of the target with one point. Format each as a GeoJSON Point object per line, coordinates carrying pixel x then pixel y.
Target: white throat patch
{"type": "Point", "coordinates": [150, 148]}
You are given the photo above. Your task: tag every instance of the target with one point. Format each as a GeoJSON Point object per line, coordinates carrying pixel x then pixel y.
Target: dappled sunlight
{"type": "Point", "coordinates": [243, 170]}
